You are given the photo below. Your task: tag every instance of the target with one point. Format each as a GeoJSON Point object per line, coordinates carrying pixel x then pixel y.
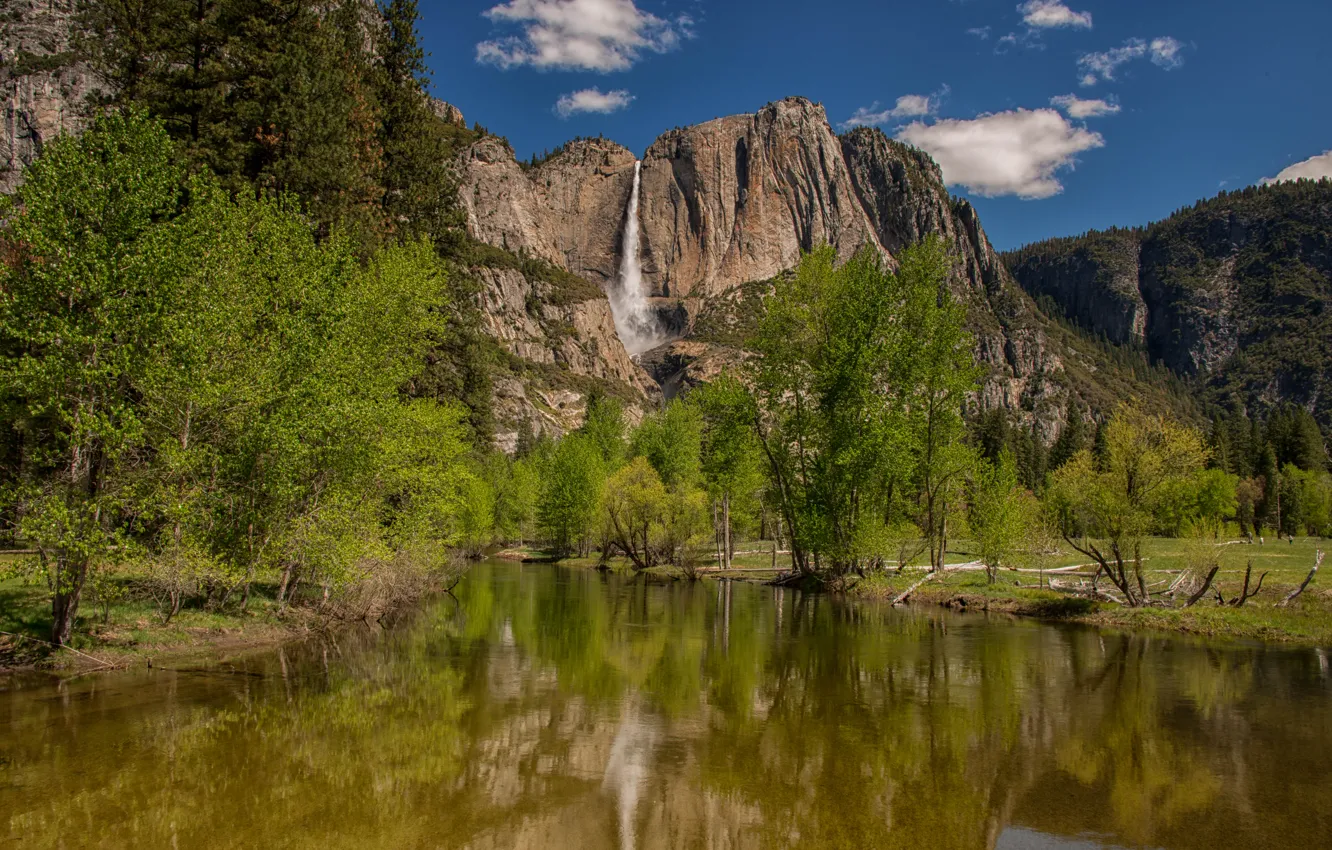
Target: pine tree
{"type": "Point", "coordinates": [1072, 438]}
{"type": "Point", "coordinates": [419, 186]}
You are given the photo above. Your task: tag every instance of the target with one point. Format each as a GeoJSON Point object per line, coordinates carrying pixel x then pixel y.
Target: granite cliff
{"type": "Point", "coordinates": [42, 88]}
{"type": "Point", "coordinates": [735, 201]}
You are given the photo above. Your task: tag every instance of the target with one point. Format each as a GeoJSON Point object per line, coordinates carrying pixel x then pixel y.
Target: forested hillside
{"type": "Point", "coordinates": [1233, 294]}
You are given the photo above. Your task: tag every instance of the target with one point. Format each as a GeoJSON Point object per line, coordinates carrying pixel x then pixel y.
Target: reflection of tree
{"type": "Point", "coordinates": [553, 708]}
{"type": "Point", "coordinates": [1153, 776]}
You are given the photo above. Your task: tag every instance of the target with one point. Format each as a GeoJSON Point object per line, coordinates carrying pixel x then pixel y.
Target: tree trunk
{"type": "Point", "coordinates": [70, 579]}
{"type": "Point", "coordinates": [726, 530]}
{"type": "Point", "coordinates": [282, 586]}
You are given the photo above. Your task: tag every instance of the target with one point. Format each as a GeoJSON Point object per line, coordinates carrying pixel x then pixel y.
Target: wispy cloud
{"type": "Point", "coordinates": [980, 32]}
{"type": "Point", "coordinates": [592, 100]}
{"type": "Point", "coordinates": [1076, 107]}
{"type": "Point", "coordinates": [585, 35]}
{"type": "Point", "coordinates": [1163, 51]}
{"type": "Point", "coordinates": [907, 106]}
{"type": "Point", "coordinates": [1049, 14]}
{"type": "Point", "coordinates": [1019, 152]}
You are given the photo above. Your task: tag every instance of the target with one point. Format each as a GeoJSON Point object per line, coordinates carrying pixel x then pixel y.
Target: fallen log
{"type": "Point", "coordinates": [912, 589]}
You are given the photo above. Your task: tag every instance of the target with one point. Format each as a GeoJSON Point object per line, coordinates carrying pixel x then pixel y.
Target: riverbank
{"type": "Point", "coordinates": [1282, 567]}
{"type": "Point", "coordinates": [121, 625]}
{"type": "Point", "coordinates": [128, 633]}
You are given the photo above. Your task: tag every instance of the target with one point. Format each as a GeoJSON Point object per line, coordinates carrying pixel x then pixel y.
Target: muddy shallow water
{"type": "Point", "coordinates": [556, 708]}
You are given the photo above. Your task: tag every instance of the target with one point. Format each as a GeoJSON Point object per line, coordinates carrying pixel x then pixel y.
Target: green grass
{"type": "Point", "coordinates": [128, 631]}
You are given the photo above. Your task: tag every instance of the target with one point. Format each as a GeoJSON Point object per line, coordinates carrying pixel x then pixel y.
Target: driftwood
{"type": "Point", "coordinates": [1092, 591]}
{"type": "Point", "coordinates": [1294, 594]}
{"type": "Point", "coordinates": [58, 646]}
{"type": "Point", "coordinates": [1202, 591]}
{"type": "Point", "coordinates": [906, 594]}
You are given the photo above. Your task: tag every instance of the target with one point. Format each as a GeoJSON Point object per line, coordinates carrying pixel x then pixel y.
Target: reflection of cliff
{"type": "Point", "coordinates": [568, 709]}
{"type": "Point", "coordinates": [628, 768]}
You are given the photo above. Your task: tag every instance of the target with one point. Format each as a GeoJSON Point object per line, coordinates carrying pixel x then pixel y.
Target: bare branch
{"type": "Point", "coordinates": [1294, 594]}
{"type": "Point", "coordinates": [1202, 590]}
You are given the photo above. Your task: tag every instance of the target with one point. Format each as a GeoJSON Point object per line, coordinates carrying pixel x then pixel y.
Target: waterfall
{"type": "Point", "coordinates": [635, 320]}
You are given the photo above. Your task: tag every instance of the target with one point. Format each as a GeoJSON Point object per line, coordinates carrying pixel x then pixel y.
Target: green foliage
{"type": "Point", "coordinates": [1106, 507]}
{"type": "Point", "coordinates": [572, 480]}
{"type": "Point", "coordinates": [1000, 513]}
{"type": "Point", "coordinates": [201, 383]}
{"type": "Point", "coordinates": [671, 441]}
{"type": "Point", "coordinates": [286, 98]}
{"type": "Point", "coordinates": [859, 380]}
{"type": "Point", "coordinates": [604, 426]}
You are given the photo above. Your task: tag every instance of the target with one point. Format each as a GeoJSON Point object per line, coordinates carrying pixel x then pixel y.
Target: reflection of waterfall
{"type": "Point", "coordinates": [635, 321]}
{"type": "Point", "coordinates": [627, 770]}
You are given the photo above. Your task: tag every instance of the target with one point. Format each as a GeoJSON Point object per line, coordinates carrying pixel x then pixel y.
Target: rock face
{"type": "Point", "coordinates": [568, 210]}
{"type": "Point", "coordinates": [578, 335]}
{"type": "Point", "coordinates": [44, 93]}
{"type": "Point", "coordinates": [1096, 284]}
{"type": "Point", "coordinates": [738, 199]}
{"type": "Point", "coordinates": [447, 112]}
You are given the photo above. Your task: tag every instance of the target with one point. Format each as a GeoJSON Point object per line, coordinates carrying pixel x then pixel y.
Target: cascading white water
{"type": "Point", "coordinates": [635, 321]}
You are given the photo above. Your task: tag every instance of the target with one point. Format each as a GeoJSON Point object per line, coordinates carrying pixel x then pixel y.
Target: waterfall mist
{"type": "Point", "coordinates": [635, 320]}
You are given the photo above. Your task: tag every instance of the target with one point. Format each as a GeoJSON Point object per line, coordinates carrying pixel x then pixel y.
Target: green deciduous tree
{"type": "Point", "coordinates": [729, 460]}
{"type": "Point", "coordinates": [1000, 513]}
{"type": "Point", "coordinates": [858, 384]}
{"type": "Point", "coordinates": [572, 480]}
{"type": "Point", "coordinates": [88, 291]}
{"type": "Point", "coordinates": [1106, 509]}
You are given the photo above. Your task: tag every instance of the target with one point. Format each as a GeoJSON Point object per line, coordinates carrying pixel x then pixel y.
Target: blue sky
{"type": "Point", "coordinates": [1159, 103]}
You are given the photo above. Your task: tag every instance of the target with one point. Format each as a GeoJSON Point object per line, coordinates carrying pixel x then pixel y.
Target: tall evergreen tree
{"type": "Point", "coordinates": [1072, 438]}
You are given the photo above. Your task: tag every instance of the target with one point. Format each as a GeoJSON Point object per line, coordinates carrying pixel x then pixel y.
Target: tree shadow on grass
{"type": "Point", "coordinates": [1060, 608]}
{"type": "Point", "coordinates": [23, 611]}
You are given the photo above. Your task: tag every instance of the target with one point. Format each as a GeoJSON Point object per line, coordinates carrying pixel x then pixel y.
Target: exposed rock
{"type": "Point", "coordinates": [682, 364]}
{"type": "Point", "coordinates": [738, 199]}
{"type": "Point", "coordinates": [447, 112]}
{"type": "Point", "coordinates": [1096, 284]}
{"type": "Point", "coordinates": [568, 210]}
{"type": "Point", "coordinates": [44, 92]}
{"type": "Point", "coordinates": [578, 336]}
{"type": "Point", "coordinates": [560, 337]}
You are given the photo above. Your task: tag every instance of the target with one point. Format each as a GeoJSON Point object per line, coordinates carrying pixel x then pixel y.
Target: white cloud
{"type": "Point", "coordinates": [1028, 39]}
{"type": "Point", "coordinates": [980, 32]}
{"type": "Point", "coordinates": [1046, 14]}
{"type": "Point", "coordinates": [908, 106]}
{"type": "Point", "coordinates": [1078, 108]}
{"type": "Point", "coordinates": [587, 35]}
{"type": "Point", "coordinates": [1313, 168]}
{"type": "Point", "coordinates": [593, 100]}
{"type": "Point", "coordinates": [1004, 153]}
{"type": "Point", "coordinates": [1163, 51]}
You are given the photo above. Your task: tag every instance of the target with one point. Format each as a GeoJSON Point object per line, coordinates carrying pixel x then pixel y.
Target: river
{"type": "Point", "coordinates": [570, 709]}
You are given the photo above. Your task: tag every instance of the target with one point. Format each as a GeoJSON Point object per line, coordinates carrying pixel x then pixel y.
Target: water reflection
{"type": "Point", "coordinates": [550, 708]}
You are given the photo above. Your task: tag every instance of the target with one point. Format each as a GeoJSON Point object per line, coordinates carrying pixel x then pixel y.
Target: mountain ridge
{"type": "Point", "coordinates": [1232, 293]}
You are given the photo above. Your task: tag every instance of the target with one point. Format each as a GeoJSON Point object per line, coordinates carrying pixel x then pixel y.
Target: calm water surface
{"type": "Point", "coordinates": [549, 708]}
